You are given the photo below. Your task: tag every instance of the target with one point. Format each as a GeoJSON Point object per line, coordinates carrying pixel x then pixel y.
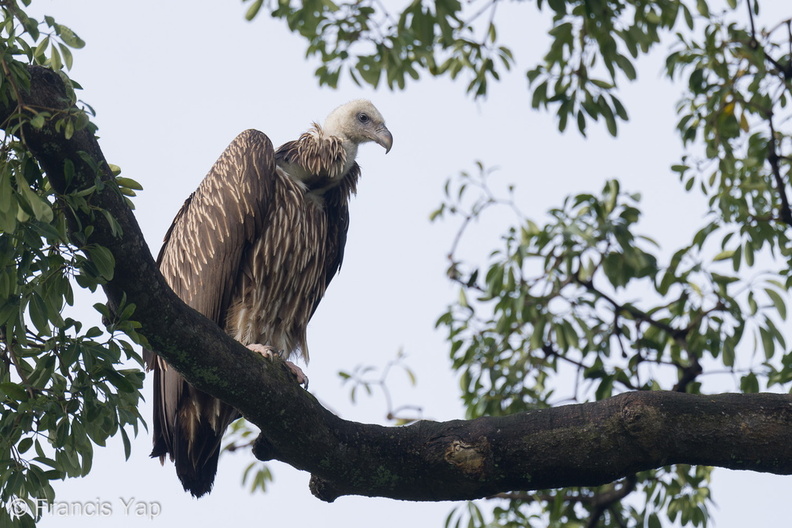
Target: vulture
{"type": "Point", "coordinates": [253, 249]}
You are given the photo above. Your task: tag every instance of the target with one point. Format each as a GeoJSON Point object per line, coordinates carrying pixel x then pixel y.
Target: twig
{"type": "Point", "coordinates": [689, 374]}
{"type": "Point", "coordinates": [604, 501]}
{"type": "Point", "coordinates": [753, 26]}
{"type": "Point", "coordinates": [677, 333]}
{"type": "Point", "coordinates": [786, 70]}
{"type": "Point", "coordinates": [772, 157]}
{"type": "Point", "coordinates": [492, 4]}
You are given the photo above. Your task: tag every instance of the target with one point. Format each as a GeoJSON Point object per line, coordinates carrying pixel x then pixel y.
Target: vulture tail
{"type": "Point", "coordinates": [189, 427]}
{"type": "Point", "coordinates": [196, 464]}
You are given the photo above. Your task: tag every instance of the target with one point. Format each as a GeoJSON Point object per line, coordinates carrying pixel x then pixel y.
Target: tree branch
{"type": "Point", "coordinates": [584, 444]}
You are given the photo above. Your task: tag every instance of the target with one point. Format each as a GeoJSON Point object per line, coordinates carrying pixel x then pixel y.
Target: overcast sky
{"type": "Point", "coordinates": [174, 81]}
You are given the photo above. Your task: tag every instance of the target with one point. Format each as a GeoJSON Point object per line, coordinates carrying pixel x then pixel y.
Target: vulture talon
{"type": "Point", "coordinates": [298, 374]}
{"type": "Point", "coordinates": [265, 351]}
{"type": "Point", "coordinates": [270, 353]}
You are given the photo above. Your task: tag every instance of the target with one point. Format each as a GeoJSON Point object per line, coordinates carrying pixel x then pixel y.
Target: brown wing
{"type": "Point", "coordinates": [201, 260]}
{"type": "Point", "coordinates": [204, 245]}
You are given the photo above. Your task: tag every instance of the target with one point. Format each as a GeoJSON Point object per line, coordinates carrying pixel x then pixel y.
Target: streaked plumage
{"type": "Point", "coordinates": [254, 248]}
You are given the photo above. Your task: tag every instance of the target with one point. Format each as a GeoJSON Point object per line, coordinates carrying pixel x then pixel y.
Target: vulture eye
{"type": "Point", "coordinates": [363, 118]}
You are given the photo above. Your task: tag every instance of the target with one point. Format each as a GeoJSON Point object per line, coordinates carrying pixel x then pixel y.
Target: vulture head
{"type": "Point", "coordinates": [323, 156]}
{"type": "Point", "coordinates": [358, 122]}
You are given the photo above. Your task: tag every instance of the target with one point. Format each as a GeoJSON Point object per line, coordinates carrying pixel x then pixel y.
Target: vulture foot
{"type": "Point", "coordinates": [270, 353]}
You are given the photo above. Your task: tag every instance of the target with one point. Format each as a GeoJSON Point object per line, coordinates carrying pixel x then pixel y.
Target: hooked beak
{"type": "Point", "coordinates": [384, 138]}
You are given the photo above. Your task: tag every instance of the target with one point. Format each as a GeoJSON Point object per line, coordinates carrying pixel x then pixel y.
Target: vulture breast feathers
{"type": "Point", "coordinates": [253, 249]}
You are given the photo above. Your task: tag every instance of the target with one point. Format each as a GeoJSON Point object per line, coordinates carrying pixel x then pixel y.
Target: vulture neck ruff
{"type": "Point", "coordinates": [317, 160]}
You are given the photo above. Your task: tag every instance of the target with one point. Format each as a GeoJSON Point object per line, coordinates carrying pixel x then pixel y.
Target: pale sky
{"type": "Point", "coordinates": [173, 82]}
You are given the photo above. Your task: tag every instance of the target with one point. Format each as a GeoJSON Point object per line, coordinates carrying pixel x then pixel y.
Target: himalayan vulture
{"type": "Point", "coordinates": [253, 249]}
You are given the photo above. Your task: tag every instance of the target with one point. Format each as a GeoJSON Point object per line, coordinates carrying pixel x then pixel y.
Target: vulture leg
{"type": "Point", "coordinates": [270, 353]}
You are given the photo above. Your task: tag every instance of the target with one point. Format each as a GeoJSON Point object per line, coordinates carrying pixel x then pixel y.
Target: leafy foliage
{"type": "Point", "coordinates": [546, 310]}
{"type": "Point", "coordinates": [585, 297]}
{"type": "Point", "coordinates": [592, 46]}
{"type": "Point", "coordinates": [63, 387]}
{"type": "Point", "coordinates": [370, 42]}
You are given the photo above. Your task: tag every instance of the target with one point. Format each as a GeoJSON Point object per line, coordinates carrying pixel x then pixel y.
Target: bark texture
{"type": "Point", "coordinates": [585, 444]}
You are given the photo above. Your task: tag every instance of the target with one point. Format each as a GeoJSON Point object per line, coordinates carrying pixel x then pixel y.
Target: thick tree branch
{"type": "Point", "coordinates": [586, 444]}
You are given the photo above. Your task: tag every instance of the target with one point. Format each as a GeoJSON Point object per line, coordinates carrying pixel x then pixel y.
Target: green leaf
{"type": "Point", "coordinates": [55, 61]}
{"type": "Point", "coordinates": [69, 37]}
{"type": "Point", "coordinates": [13, 391]}
{"type": "Point", "coordinates": [102, 258]}
{"type": "Point", "coordinates": [68, 129]}
{"type": "Point", "coordinates": [749, 383]}
{"type": "Point", "coordinates": [41, 209]}
{"type": "Point", "coordinates": [39, 51]}
{"type": "Point", "coordinates": [38, 313]}
{"type": "Point", "coordinates": [748, 251]}
{"type": "Point", "coordinates": [253, 10]}
{"type": "Point", "coordinates": [129, 183]}
{"type": "Point", "coordinates": [767, 342]}
{"type": "Point", "coordinates": [778, 302]}
{"type": "Point", "coordinates": [68, 59]}
{"type": "Point", "coordinates": [38, 121]}
{"type": "Point", "coordinates": [25, 444]}
{"type": "Point", "coordinates": [728, 353]}
{"type": "Point", "coordinates": [654, 521]}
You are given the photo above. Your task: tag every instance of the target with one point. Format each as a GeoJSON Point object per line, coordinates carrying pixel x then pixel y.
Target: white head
{"type": "Point", "coordinates": [358, 122]}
